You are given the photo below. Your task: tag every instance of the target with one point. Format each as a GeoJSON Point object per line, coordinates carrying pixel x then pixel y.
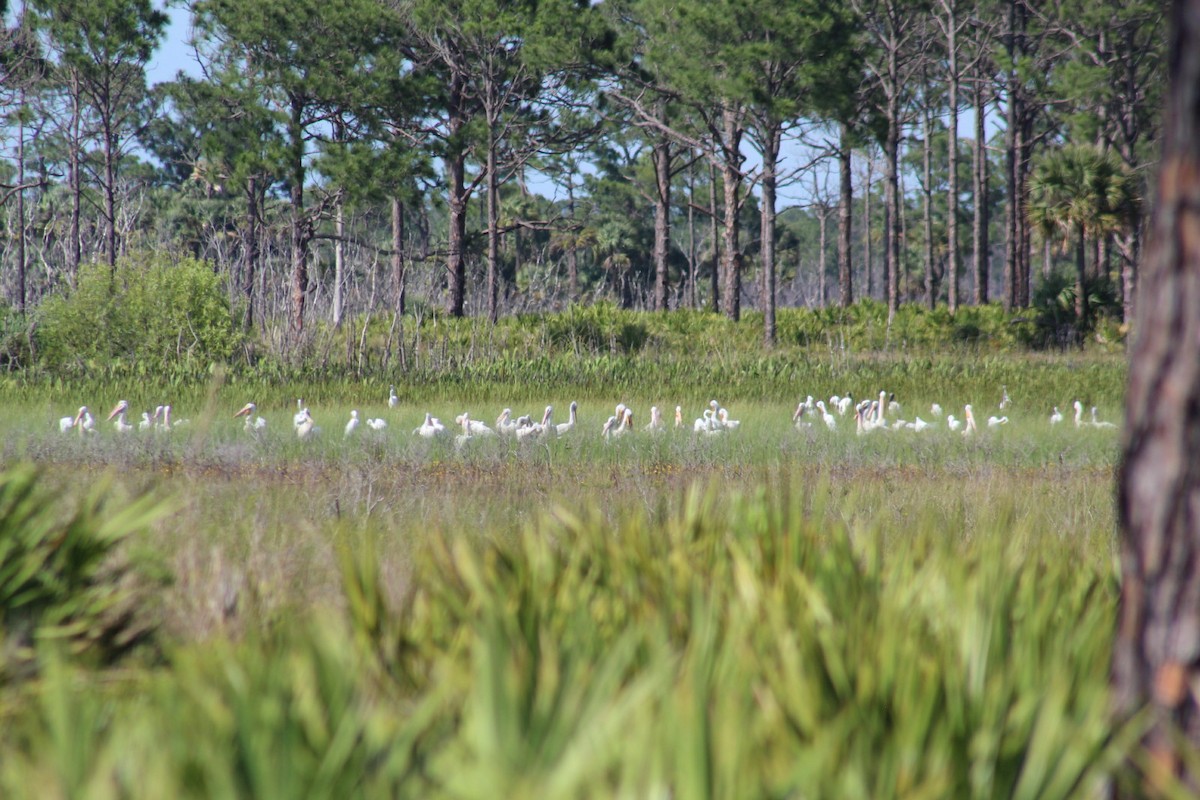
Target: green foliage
{"type": "Point", "coordinates": [732, 648]}
{"type": "Point", "coordinates": [61, 577]}
{"type": "Point", "coordinates": [149, 316]}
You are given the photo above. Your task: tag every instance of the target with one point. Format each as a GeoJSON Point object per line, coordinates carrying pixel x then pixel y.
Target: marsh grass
{"type": "Point", "coordinates": [770, 612]}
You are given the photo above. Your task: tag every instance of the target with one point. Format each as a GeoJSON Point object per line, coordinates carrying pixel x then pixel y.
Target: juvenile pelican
{"type": "Point", "coordinates": [655, 425]}
{"type": "Point", "coordinates": [1078, 414]}
{"type": "Point", "coordinates": [352, 425]}
{"type": "Point", "coordinates": [376, 424]}
{"type": "Point", "coordinates": [678, 416]}
{"type": "Point", "coordinates": [1056, 417]}
{"type": "Point", "coordinates": [953, 423]}
{"type": "Point", "coordinates": [1097, 423]}
{"type": "Point", "coordinates": [393, 400]}
{"type": "Point", "coordinates": [995, 422]}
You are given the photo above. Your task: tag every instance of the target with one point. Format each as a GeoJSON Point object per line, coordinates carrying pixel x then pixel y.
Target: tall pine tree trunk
{"type": "Point", "coordinates": [979, 232]}
{"type": "Point", "coordinates": [339, 261]}
{"type": "Point", "coordinates": [732, 179]}
{"type": "Point", "coordinates": [662, 218]}
{"type": "Point", "coordinates": [927, 209]}
{"type": "Point", "coordinates": [714, 294]}
{"type": "Point", "coordinates": [21, 205]}
{"type": "Point", "coordinates": [771, 144]}
{"type": "Point", "coordinates": [1156, 659]}
{"type": "Point", "coordinates": [456, 238]}
{"type": "Point", "coordinates": [493, 229]}
{"type": "Point", "coordinates": [398, 275]}
{"type": "Point", "coordinates": [299, 237]}
{"type": "Point", "coordinates": [845, 215]}
{"type": "Point", "coordinates": [251, 252]}
{"type": "Point", "coordinates": [952, 160]}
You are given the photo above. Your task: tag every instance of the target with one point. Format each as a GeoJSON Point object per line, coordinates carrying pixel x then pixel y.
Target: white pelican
{"type": "Point", "coordinates": [919, 425]}
{"type": "Point", "coordinates": [995, 422]}
{"type": "Point", "coordinates": [970, 415]}
{"type": "Point", "coordinates": [829, 420]}
{"type": "Point", "coordinates": [536, 429]}
{"type": "Point", "coordinates": [1097, 423]}
{"type": "Point", "coordinates": [725, 422]}
{"type": "Point", "coordinates": [936, 410]}
{"type": "Point", "coordinates": [473, 427]}
{"type": "Point", "coordinates": [1004, 401]}
{"type": "Point", "coordinates": [376, 424]}
{"type": "Point", "coordinates": [863, 422]}
{"type": "Point", "coordinates": [301, 413]}
{"type": "Point", "coordinates": [393, 400]}
{"type": "Point", "coordinates": [798, 413]}
{"type": "Point", "coordinates": [564, 428]}
{"type": "Point", "coordinates": [953, 423]}
{"type": "Point", "coordinates": [352, 425]}
{"type": "Point", "coordinates": [1078, 414]}
{"type": "Point", "coordinates": [119, 412]}
{"type": "Point", "coordinates": [87, 423]}
{"type": "Point", "coordinates": [430, 428]}
{"type": "Point", "coordinates": [254, 424]}
{"type": "Point", "coordinates": [307, 427]}
{"type": "Point", "coordinates": [882, 408]}
{"type": "Point", "coordinates": [66, 423]}
{"type": "Point", "coordinates": [655, 425]}
{"type": "Point", "coordinates": [613, 423]}
{"type": "Point", "coordinates": [147, 422]}
{"type": "Point", "coordinates": [844, 405]}
{"type": "Point", "coordinates": [505, 425]}
{"type": "Point", "coordinates": [1056, 417]}
{"type": "Point", "coordinates": [702, 422]}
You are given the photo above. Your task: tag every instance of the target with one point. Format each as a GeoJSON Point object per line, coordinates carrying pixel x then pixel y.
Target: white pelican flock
{"type": "Point", "coordinates": [811, 415]}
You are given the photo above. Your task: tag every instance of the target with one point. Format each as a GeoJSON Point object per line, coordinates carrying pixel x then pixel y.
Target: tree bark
{"type": "Point", "coordinates": [845, 207]}
{"type": "Point", "coordinates": [867, 267]}
{"type": "Point", "coordinates": [1156, 660]}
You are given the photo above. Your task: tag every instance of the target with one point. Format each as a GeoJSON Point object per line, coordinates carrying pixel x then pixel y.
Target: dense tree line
{"type": "Point", "coordinates": [484, 157]}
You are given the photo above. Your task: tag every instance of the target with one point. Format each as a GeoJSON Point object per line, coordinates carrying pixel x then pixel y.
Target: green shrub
{"type": "Point", "coordinates": [60, 574]}
{"type": "Point", "coordinates": [151, 315]}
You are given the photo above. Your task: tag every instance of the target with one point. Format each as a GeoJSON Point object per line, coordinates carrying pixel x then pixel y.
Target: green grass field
{"type": "Point", "coordinates": [771, 612]}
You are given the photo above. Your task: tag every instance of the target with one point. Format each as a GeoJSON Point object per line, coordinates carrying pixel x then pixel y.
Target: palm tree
{"type": "Point", "coordinates": [1080, 191]}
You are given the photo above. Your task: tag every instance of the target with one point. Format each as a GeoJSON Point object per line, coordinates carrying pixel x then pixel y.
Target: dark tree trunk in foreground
{"type": "Point", "coordinates": [1156, 662]}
